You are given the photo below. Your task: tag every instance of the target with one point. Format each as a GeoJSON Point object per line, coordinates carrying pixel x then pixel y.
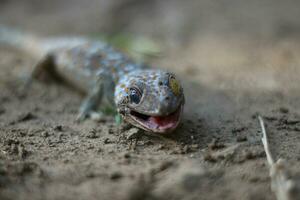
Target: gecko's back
{"type": "Point", "coordinates": [77, 60]}
{"type": "Point", "coordinates": [81, 60]}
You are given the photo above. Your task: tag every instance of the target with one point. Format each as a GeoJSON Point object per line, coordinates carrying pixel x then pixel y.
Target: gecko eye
{"type": "Point", "coordinates": [135, 95]}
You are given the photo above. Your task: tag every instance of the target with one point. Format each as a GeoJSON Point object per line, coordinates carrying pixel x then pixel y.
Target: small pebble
{"type": "Point", "coordinates": [14, 149]}
{"type": "Point", "coordinates": [148, 142]}
{"type": "Point", "coordinates": [26, 117]}
{"type": "Point", "coordinates": [209, 157]}
{"type": "Point", "coordinates": [45, 134]}
{"type": "Point", "coordinates": [90, 146]}
{"type": "Point", "coordinates": [238, 130]}
{"type": "Point", "coordinates": [2, 111]}
{"type": "Point", "coordinates": [195, 146]}
{"type": "Point", "coordinates": [60, 137]}
{"type": "Point", "coordinates": [161, 147]}
{"type": "Point", "coordinates": [110, 131]}
{"type": "Point", "coordinates": [127, 155]}
{"type": "Point", "coordinates": [270, 118]}
{"type": "Point", "coordinates": [116, 175]}
{"type": "Point", "coordinates": [284, 110]}
{"type": "Point", "coordinates": [185, 149]}
{"type": "Point", "coordinates": [99, 150]}
{"type": "Point", "coordinates": [132, 133]}
{"type": "Point", "coordinates": [215, 145]}
{"type": "Point", "coordinates": [23, 133]}
{"type": "Point", "coordinates": [58, 128]}
{"type": "Point", "coordinates": [106, 141]}
{"type": "Point", "coordinates": [241, 138]}
{"type": "Point", "coordinates": [92, 134]}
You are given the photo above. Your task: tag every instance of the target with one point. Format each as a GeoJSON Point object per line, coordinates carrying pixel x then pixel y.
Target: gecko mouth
{"type": "Point", "coordinates": [158, 124]}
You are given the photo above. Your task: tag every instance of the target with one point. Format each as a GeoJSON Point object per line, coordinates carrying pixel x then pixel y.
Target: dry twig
{"type": "Point", "coordinates": [280, 184]}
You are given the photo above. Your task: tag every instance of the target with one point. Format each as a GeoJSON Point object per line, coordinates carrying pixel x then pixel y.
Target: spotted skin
{"type": "Point", "coordinates": [89, 60]}
{"type": "Point", "coordinates": [158, 97]}
{"type": "Point", "coordinates": [107, 77]}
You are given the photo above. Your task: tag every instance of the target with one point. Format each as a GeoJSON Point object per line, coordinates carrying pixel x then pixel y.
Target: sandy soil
{"type": "Point", "coordinates": [234, 64]}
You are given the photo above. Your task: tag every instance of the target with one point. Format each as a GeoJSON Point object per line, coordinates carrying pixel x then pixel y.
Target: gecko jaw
{"type": "Point", "coordinates": [157, 124]}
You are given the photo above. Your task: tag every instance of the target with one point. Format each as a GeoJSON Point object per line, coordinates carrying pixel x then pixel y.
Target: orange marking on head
{"type": "Point", "coordinates": [175, 86]}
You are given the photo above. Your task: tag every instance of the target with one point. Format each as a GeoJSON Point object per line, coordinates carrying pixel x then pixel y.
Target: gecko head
{"type": "Point", "coordinates": [150, 99]}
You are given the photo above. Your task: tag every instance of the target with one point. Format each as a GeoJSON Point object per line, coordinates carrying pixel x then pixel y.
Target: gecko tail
{"type": "Point", "coordinates": [9, 36]}
{"type": "Point", "coordinates": [34, 45]}
{"type": "Point", "coordinates": [18, 39]}
{"type": "Point", "coordinates": [12, 37]}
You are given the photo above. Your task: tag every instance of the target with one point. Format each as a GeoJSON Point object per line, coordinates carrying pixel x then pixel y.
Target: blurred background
{"type": "Point", "coordinates": [236, 58]}
{"type": "Point", "coordinates": [243, 41]}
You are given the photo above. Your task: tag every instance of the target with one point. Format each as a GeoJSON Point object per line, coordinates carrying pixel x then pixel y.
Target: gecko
{"type": "Point", "coordinates": [147, 98]}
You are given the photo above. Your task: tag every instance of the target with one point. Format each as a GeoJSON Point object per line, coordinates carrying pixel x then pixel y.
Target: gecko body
{"type": "Point", "coordinates": [150, 99]}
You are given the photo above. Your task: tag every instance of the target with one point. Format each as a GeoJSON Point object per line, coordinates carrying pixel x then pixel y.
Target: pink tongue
{"type": "Point", "coordinates": [164, 122]}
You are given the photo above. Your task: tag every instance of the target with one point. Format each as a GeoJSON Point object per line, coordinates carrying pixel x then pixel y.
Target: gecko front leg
{"type": "Point", "coordinates": [43, 69]}
{"type": "Point", "coordinates": [100, 96]}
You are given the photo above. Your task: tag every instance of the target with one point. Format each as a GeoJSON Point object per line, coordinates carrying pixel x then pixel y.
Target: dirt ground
{"type": "Point", "coordinates": [236, 60]}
